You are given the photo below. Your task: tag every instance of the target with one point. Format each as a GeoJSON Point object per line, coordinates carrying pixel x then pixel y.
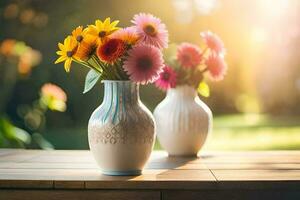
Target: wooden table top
{"type": "Point", "coordinates": [61, 169]}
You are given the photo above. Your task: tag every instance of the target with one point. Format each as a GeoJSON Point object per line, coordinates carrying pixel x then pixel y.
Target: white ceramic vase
{"type": "Point", "coordinates": [183, 122]}
{"type": "Point", "coordinates": [121, 130]}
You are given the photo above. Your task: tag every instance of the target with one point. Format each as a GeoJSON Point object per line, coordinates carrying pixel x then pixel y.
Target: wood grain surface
{"type": "Point", "coordinates": [75, 175]}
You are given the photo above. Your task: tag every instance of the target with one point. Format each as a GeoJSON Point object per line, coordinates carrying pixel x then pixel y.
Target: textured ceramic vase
{"type": "Point", "coordinates": [183, 122]}
{"type": "Point", "coordinates": [121, 130]}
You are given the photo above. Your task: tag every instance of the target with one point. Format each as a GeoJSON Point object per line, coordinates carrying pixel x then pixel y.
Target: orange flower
{"type": "Point", "coordinates": [111, 50]}
{"type": "Point", "coordinates": [77, 33]}
{"type": "Point", "coordinates": [128, 35]}
{"type": "Point", "coordinates": [86, 48]}
{"type": "Point", "coordinates": [87, 43]}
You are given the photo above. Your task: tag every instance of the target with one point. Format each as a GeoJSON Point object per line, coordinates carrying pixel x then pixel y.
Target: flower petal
{"type": "Point", "coordinates": [106, 23]}
{"type": "Point", "coordinates": [67, 41]}
{"type": "Point", "coordinates": [68, 64]}
{"type": "Point", "coordinates": [92, 29]}
{"type": "Point", "coordinates": [114, 23]}
{"type": "Point", "coordinates": [61, 46]}
{"type": "Point", "coordinates": [60, 59]}
{"type": "Point", "coordinates": [60, 53]}
{"type": "Point", "coordinates": [99, 24]}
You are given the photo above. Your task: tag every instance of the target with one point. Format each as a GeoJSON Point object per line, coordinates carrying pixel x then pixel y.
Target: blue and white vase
{"type": "Point", "coordinates": [121, 130]}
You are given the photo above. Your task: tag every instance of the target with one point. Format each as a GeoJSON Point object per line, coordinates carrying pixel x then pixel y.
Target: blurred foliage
{"type": "Point", "coordinates": [16, 62]}
{"type": "Point", "coordinates": [254, 132]}
{"type": "Point", "coordinates": [12, 136]}
{"type": "Point", "coordinates": [34, 120]}
{"type": "Point", "coordinates": [230, 132]}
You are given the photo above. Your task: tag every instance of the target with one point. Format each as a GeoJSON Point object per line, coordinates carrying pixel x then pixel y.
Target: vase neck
{"type": "Point", "coordinates": [182, 91]}
{"type": "Point", "coordinates": [121, 92]}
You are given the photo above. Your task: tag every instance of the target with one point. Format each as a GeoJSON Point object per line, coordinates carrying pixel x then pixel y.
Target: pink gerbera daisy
{"type": "Point", "coordinates": [167, 78]}
{"type": "Point", "coordinates": [144, 63]}
{"type": "Point", "coordinates": [151, 30]}
{"type": "Point", "coordinates": [216, 67]}
{"type": "Point", "coordinates": [213, 42]}
{"type": "Point", "coordinates": [189, 55]}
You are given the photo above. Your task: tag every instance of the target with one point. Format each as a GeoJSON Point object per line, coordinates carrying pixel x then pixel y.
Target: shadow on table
{"type": "Point", "coordinates": [161, 165]}
{"type": "Point", "coordinates": [163, 161]}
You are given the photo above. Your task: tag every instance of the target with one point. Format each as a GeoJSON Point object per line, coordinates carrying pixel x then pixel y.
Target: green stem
{"type": "Point", "coordinates": [105, 70]}
{"type": "Point", "coordinates": [98, 64]}
{"type": "Point", "coordinates": [94, 66]}
{"type": "Point", "coordinates": [111, 72]}
{"type": "Point", "coordinates": [88, 66]}
{"type": "Point", "coordinates": [123, 74]}
{"type": "Point", "coordinates": [116, 71]}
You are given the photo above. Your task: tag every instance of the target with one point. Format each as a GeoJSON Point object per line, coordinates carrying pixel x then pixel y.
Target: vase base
{"type": "Point", "coordinates": [122, 173]}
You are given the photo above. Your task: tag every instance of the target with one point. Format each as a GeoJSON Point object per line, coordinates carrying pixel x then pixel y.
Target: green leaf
{"type": "Point", "coordinates": [12, 136]}
{"type": "Point", "coordinates": [203, 89]}
{"type": "Point", "coordinates": [91, 79]}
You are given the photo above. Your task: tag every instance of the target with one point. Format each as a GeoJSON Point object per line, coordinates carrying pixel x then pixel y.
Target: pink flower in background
{"type": "Point", "coordinates": [167, 78]}
{"type": "Point", "coordinates": [151, 30]}
{"type": "Point", "coordinates": [144, 63]}
{"type": "Point", "coordinates": [53, 91]}
{"type": "Point", "coordinates": [213, 42]}
{"type": "Point", "coordinates": [189, 55]}
{"type": "Point", "coordinates": [216, 67]}
{"type": "Point", "coordinates": [53, 97]}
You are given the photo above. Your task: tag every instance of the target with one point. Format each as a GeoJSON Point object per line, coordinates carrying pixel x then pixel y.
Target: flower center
{"type": "Point", "coordinates": [111, 50]}
{"type": "Point", "coordinates": [102, 34]}
{"type": "Point", "coordinates": [145, 63]}
{"type": "Point", "coordinates": [69, 54]}
{"type": "Point", "coordinates": [149, 30]}
{"type": "Point", "coordinates": [166, 76]}
{"type": "Point", "coordinates": [79, 38]}
{"type": "Point", "coordinates": [186, 57]}
{"type": "Point", "coordinates": [111, 47]}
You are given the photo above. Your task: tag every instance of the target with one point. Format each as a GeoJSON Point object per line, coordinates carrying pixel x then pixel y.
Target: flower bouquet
{"type": "Point", "coordinates": [183, 120]}
{"type": "Point", "coordinates": [121, 130]}
{"type": "Point", "coordinates": [112, 53]}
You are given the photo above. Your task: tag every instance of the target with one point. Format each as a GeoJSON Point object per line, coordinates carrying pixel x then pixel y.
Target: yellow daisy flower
{"type": "Point", "coordinates": [86, 47]}
{"type": "Point", "coordinates": [87, 43]}
{"type": "Point", "coordinates": [78, 33]}
{"type": "Point", "coordinates": [102, 29]}
{"type": "Point", "coordinates": [66, 52]}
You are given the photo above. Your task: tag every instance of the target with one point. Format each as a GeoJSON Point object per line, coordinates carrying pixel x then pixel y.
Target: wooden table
{"type": "Point", "coordinates": [72, 175]}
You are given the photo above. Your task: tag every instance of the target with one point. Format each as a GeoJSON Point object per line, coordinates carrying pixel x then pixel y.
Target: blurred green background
{"type": "Point", "coordinates": [256, 107]}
